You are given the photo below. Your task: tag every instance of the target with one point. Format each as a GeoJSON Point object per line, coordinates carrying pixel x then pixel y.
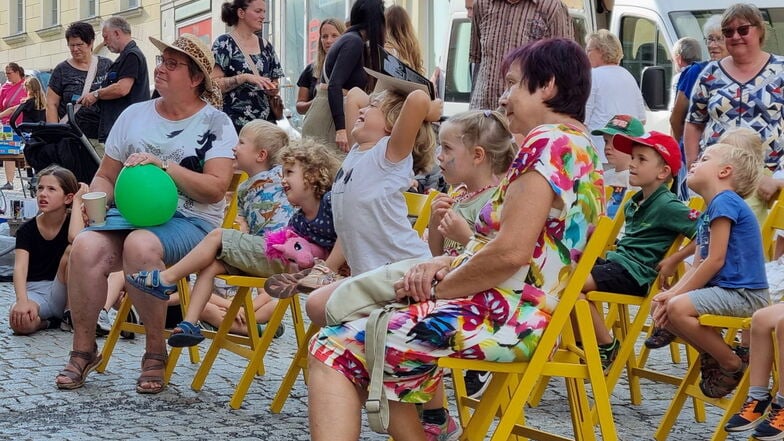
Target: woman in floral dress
{"type": "Point", "coordinates": [246, 95]}
{"type": "Point", "coordinates": [493, 301]}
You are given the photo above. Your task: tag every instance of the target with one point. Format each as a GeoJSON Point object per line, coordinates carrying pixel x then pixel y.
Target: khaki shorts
{"type": "Point", "coordinates": [245, 254]}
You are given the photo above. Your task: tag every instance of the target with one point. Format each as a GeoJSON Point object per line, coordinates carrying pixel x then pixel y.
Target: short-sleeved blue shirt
{"type": "Point", "coordinates": [744, 262]}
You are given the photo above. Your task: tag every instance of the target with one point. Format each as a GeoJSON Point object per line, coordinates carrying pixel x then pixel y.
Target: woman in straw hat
{"type": "Point", "coordinates": [185, 134]}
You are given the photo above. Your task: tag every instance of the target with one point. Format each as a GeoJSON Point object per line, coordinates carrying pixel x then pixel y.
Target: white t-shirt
{"type": "Point", "coordinates": [614, 91]}
{"type": "Point", "coordinates": [189, 142]}
{"type": "Point", "coordinates": [370, 210]}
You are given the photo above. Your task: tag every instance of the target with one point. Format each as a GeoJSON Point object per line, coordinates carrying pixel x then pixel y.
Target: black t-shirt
{"type": "Point", "coordinates": [30, 114]}
{"type": "Point", "coordinates": [306, 79]}
{"type": "Point", "coordinates": [345, 70]}
{"type": "Point", "coordinates": [129, 64]}
{"type": "Point", "coordinates": [68, 82]}
{"type": "Point", "coordinates": [45, 254]}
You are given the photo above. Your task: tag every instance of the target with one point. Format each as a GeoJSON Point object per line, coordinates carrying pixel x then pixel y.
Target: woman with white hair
{"type": "Point", "coordinates": [614, 90]}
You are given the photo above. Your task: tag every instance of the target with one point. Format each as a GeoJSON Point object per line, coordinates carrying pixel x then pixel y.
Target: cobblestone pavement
{"type": "Point", "coordinates": [107, 407]}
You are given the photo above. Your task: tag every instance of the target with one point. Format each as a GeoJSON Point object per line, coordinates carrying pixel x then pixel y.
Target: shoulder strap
{"type": "Point", "coordinates": [88, 82]}
{"type": "Point", "coordinates": [248, 59]}
{"type": "Point", "coordinates": [19, 90]}
{"type": "Point", "coordinates": [377, 405]}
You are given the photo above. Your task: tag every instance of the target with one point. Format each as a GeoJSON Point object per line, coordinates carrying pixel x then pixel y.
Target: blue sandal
{"type": "Point", "coordinates": [188, 335]}
{"type": "Point", "coordinates": [150, 283]}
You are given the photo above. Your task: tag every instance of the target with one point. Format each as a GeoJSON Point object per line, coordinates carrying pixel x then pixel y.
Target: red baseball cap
{"type": "Point", "coordinates": [664, 144]}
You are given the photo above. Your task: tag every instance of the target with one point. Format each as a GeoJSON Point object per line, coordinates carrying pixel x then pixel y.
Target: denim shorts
{"type": "Point", "coordinates": [733, 302]}
{"type": "Point", "coordinates": [178, 236]}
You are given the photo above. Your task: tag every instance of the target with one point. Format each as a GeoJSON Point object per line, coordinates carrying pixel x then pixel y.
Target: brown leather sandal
{"type": "Point", "coordinates": [76, 373]}
{"type": "Point", "coordinates": [159, 364]}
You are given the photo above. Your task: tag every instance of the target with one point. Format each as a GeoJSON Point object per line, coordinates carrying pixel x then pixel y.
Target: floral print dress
{"type": "Point", "coordinates": [245, 102]}
{"type": "Point", "coordinates": [504, 323]}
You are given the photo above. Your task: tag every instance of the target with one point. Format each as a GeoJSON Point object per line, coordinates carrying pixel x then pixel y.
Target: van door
{"type": "Point", "coordinates": [645, 44]}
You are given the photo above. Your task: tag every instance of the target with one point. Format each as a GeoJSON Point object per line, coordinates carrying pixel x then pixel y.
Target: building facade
{"type": "Point", "coordinates": [32, 32]}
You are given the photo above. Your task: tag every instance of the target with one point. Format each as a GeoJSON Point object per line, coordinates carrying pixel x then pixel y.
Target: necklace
{"type": "Point", "coordinates": [472, 194]}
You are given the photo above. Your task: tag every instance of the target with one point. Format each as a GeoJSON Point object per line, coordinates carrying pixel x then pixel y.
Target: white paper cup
{"type": "Point", "coordinates": [95, 205]}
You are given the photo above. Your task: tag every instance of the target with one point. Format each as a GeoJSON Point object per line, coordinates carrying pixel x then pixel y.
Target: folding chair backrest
{"type": "Point", "coordinates": [573, 289]}
{"type": "Point", "coordinates": [774, 221]}
{"type": "Point", "coordinates": [231, 210]}
{"type": "Point", "coordinates": [419, 208]}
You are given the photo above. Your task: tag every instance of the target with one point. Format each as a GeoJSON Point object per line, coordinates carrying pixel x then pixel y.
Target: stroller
{"type": "Point", "coordinates": [56, 143]}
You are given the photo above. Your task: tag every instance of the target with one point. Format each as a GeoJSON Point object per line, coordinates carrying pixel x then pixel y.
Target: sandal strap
{"type": "Point", "coordinates": [161, 358]}
{"type": "Point", "coordinates": [188, 328]}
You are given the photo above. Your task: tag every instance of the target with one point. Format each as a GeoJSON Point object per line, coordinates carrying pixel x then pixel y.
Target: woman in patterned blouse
{"type": "Point", "coordinates": [741, 90]}
{"type": "Point", "coordinates": [493, 301]}
{"type": "Point", "coordinates": [245, 93]}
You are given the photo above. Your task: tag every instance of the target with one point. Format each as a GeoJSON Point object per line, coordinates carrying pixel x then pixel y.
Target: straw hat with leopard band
{"type": "Point", "coordinates": [197, 51]}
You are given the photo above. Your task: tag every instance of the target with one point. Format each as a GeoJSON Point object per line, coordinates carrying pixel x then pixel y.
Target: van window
{"type": "Point", "coordinates": [689, 24]}
{"type": "Point", "coordinates": [458, 69]}
{"type": "Point", "coordinates": [643, 46]}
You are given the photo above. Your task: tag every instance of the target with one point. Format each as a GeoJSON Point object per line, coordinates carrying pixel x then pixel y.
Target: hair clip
{"type": "Point", "coordinates": [488, 113]}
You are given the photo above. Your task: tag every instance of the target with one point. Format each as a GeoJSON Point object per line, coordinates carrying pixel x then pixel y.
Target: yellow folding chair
{"type": "Point", "coordinates": [121, 323]}
{"type": "Point", "coordinates": [418, 208]}
{"type": "Point", "coordinates": [513, 384]}
{"type": "Point", "coordinates": [689, 387]}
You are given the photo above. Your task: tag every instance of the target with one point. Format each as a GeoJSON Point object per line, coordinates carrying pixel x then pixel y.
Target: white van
{"type": "Point", "coordinates": [647, 29]}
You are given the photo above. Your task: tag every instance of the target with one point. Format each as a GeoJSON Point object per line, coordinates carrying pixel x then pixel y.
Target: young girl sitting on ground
{"type": "Point", "coordinates": [308, 170]}
{"type": "Point", "coordinates": [41, 256]}
{"type": "Point", "coordinates": [476, 147]}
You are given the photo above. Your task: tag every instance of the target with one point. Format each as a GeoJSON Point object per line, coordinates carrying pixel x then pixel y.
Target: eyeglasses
{"type": "Point", "coordinates": [169, 63]}
{"type": "Point", "coordinates": [713, 39]}
{"type": "Point", "coordinates": [743, 30]}
{"type": "Point", "coordinates": [76, 45]}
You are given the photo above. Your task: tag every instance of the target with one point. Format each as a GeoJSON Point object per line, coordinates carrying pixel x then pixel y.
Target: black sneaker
{"type": "Point", "coordinates": [750, 415]}
{"type": "Point", "coordinates": [476, 383]}
{"type": "Point", "coordinates": [659, 338]}
{"type": "Point", "coordinates": [772, 428]}
{"type": "Point", "coordinates": [66, 324]}
{"type": "Point", "coordinates": [608, 353]}
{"type": "Point", "coordinates": [278, 332]}
{"type": "Point", "coordinates": [133, 317]}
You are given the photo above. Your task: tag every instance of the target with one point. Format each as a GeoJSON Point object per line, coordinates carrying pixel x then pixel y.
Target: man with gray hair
{"type": "Point", "coordinates": [685, 52]}
{"type": "Point", "coordinates": [126, 81]}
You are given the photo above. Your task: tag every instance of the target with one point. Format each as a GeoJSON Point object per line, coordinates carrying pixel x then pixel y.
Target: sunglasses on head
{"type": "Point", "coordinates": [743, 30]}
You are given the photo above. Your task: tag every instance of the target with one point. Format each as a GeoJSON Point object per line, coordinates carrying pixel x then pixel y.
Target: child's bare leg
{"type": "Point", "coordinates": [202, 289]}
{"type": "Point", "coordinates": [780, 343]}
{"type": "Point", "coordinates": [202, 256]}
{"type": "Point", "coordinates": [763, 323]}
{"type": "Point", "coordinates": [263, 305]}
{"type": "Point", "coordinates": [115, 286]}
{"type": "Point", "coordinates": [316, 305]}
{"type": "Point", "coordinates": [685, 323]}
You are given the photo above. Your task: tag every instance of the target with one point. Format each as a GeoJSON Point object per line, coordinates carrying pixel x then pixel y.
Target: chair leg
{"type": "Point", "coordinates": [299, 363]}
{"type": "Point", "coordinates": [114, 333]}
{"type": "Point", "coordinates": [217, 342]}
{"type": "Point", "coordinates": [255, 365]}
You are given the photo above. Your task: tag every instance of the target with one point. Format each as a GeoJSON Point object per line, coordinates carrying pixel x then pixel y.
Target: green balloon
{"type": "Point", "coordinates": [145, 195]}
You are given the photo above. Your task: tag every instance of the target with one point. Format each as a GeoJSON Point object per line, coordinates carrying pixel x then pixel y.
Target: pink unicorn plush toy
{"type": "Point", "coordinates": [289, 247]}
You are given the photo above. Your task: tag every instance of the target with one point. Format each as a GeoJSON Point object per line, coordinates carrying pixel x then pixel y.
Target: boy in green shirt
{"type": "Point", "coordinates": [654, 219]}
